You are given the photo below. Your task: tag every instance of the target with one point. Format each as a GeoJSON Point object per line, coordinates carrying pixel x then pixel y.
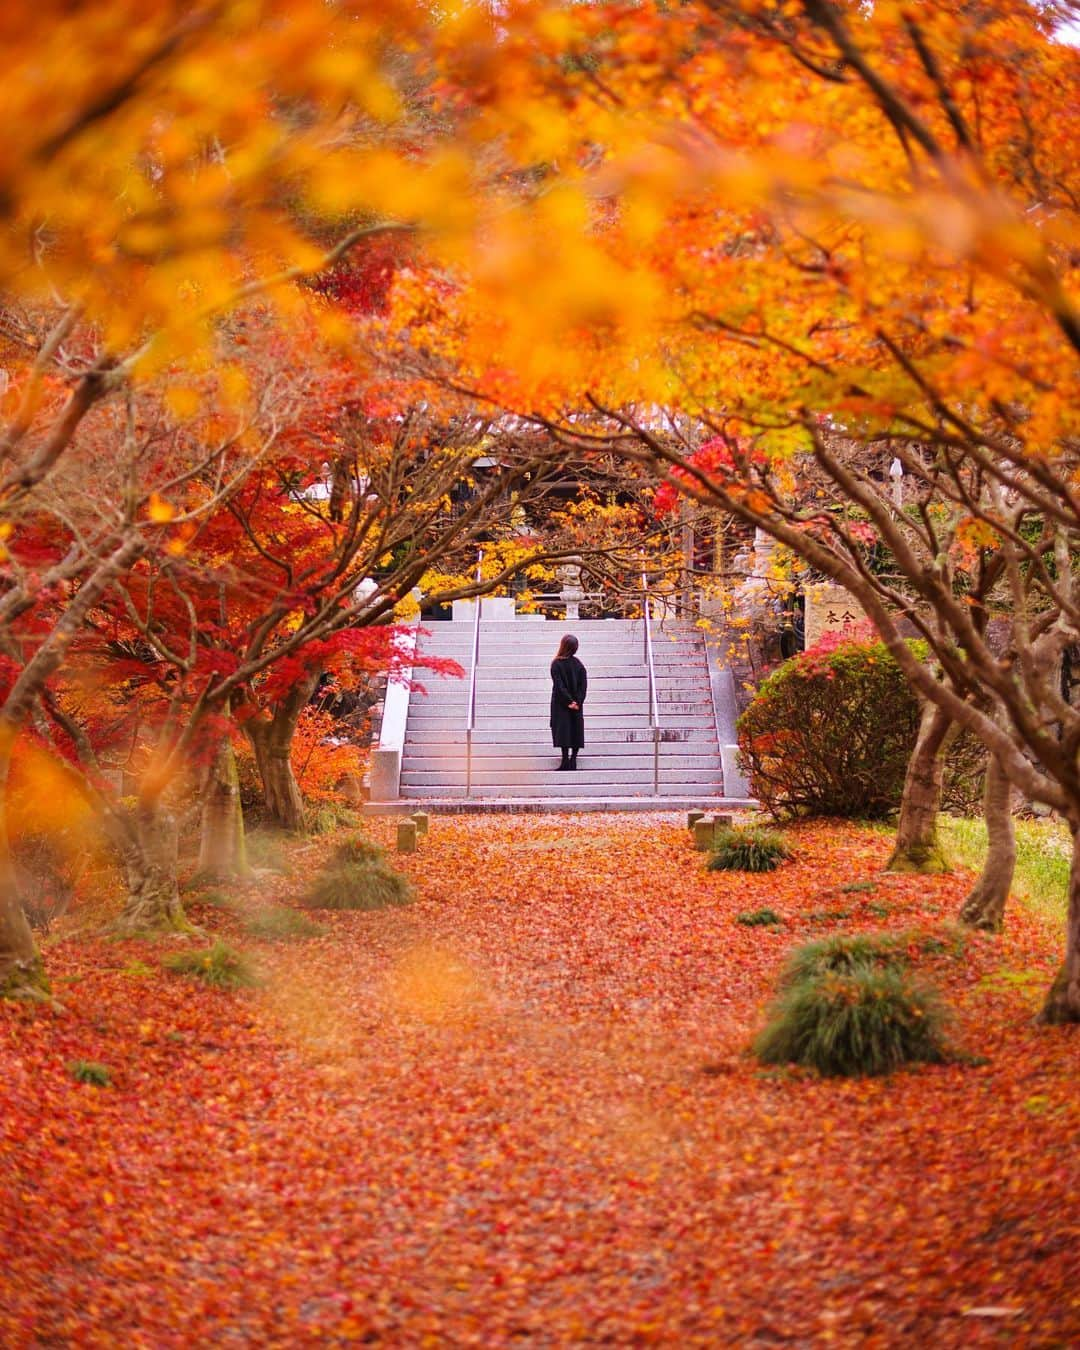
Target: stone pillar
{"type": "Point", "coordinates": [385, 775]}
{"type": "Point", "coordinates": [735, 783]}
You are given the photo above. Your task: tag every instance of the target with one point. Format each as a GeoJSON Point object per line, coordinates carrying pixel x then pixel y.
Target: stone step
{"type": "Point", "coordinates": [475, 804]}
{"type": "Point", "coordinates": [571, 786]}
{"type": "Point", "coordinates": [632, 646]}
{"type": "Point", "coordinates": [530, 725]}
{"type": "Point", "coordinates": [611, 689]}
{"type": "Point", "coordinates": [624, 671]}
{"type": "Point", "coordinates": [521, 660]}
{"type": "Point", "coordinates": [607, 779]}
{"type": "Point", "coordinates": [614, 740]}
{"type": "Point", "coordinates": [598, 758]}
{"type": "Point", "coordinates": [668, 709]}
{"type": "Point", "coordinates": [541, 658]}
{"type": "Point", "coordinates": [539, 743]}
{"type": "Point", "coordinates": [512, 757]}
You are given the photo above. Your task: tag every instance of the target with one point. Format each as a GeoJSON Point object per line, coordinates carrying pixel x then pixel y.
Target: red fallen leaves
{"type": "Point", "coordinates": [523, 1109]}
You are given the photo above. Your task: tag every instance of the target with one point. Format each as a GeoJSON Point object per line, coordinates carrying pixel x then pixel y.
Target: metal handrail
{"type": "Point", "coordinates": [470, 715]}
{"type": "Point", "coordinates": [654, 711]}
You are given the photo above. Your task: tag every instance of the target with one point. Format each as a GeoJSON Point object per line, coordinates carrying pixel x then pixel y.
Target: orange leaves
{"type": "Point", "coordinates": [522, 1109]}
{"type": "Point", "coordinates": [159, 511]}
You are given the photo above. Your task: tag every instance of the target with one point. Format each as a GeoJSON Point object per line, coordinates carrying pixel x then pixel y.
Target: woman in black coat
{"type": "Point", "coordinates": [568, 685]}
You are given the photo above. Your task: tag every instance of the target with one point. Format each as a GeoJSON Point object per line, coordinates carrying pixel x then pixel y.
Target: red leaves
{"type": "Point", "coordinates": [523, 1109]}
{"type": "Point", "coordinates": [718, 459]}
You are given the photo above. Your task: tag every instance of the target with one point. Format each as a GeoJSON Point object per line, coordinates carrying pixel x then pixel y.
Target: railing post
{"type": "Point", "coordinates": [654, 711]}
{"type": "Point", "coordinates": [470, 714]}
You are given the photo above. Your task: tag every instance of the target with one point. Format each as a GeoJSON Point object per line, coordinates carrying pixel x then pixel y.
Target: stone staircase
{"type": "Point", "coordinates": [513, 760]}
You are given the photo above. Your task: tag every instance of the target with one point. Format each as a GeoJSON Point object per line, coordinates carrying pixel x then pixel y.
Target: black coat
{"type": "Point", "coordinates": [568, 685]}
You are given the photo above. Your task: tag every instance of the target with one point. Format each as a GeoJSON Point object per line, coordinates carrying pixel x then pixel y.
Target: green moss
{"type": "Point", "coordinates": [922, 859]}
{"type": "Point", "coordinates": [26, 980]}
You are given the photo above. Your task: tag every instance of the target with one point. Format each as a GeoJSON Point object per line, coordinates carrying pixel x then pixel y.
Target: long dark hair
{"type": "Point", "coordinates": [567, 647]}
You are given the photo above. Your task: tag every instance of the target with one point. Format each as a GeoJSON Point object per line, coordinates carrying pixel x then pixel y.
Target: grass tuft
{"type": "Point", "coordinates": [357, 848]}
{"type": "Point", "coordinates": [758, 918]}
{"type": "Point", "coordinates": [359, 885]}
{"type": "Point", "coordinates": [214, 898]}
{"type": "Point", "coordinates": [841, 954]}
{"type": "Point", "coordinates": [218, 966]}
{"type": "Point", "coordinates": [844, 953]}
{"type": "Point", "coordinates": [278, 923]}
{"type": "Point", "coordinates": [89, 1071]}
{"type": "Point", "coordinates": [265, 848]}
{"type": "Point", "coordinates": [866, 1021]}
{"type": "Point", "coordinates": [748, 849]}
{"type": "Point", "coordinates": [137, 970]}
{"type": "Point", "coordinates": [326, 817]}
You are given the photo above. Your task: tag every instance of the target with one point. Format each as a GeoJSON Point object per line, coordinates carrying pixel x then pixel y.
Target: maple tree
{"type": "Point", "coordinates": [829, 237]}
{"type": "Point", "coordinates": [194, 158]}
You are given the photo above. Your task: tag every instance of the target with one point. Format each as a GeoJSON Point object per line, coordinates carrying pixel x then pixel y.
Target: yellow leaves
{"type": "Point", "coordinates": [183, 402]}
{"type": "Point", "coordinates": [159, 511]}
{"type": "Point", "coordinates": [436, 190]}
{"type": "Point", "coordinates": [45, 800]}
{"type": "Point", "coordinates": [335, 328]}
{"type": "Point", "coordinates": [973, 536]}
{"type": "Point", "coordinates": [234, 384]}
{"type": "Point", "coordinates": [407, 608]}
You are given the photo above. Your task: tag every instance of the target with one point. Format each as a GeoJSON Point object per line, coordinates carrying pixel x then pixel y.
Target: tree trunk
{"type": "Point", "coordinates": [222, 853]}
{"type": "Point", "coordinates": [985, 905]}
{"type": "Point", "coordinates": [22, 972]}
{"type": "Point", "coordinates": [271, 740]}
{"type": "Point", "coordinates": [1063, 1001]}
{"type": "Point", "coordinates": [917, 848]}
{"type": "Point", "coordinates": [153, 902]}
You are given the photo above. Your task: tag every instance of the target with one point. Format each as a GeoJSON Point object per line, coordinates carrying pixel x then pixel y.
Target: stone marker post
{"type": "Point", "coordinates": [692, 818]}
{"type": "Point", "coordinates": [422, 820]}
{"type": "Point", "coordinates": [406, 836]}
{"type": "Point", "coordinates": [704, 833]}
